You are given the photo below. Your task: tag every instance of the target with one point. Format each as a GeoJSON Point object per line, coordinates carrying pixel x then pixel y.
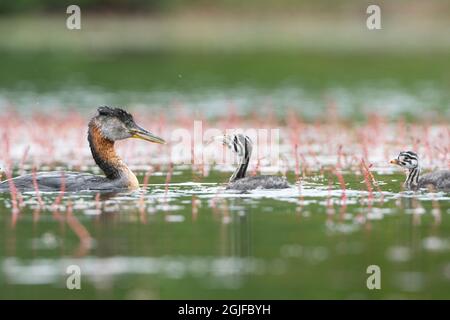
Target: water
{"type": "Point", "coordinates": [183, 235]}
{"type": "Point", "coordinates": [194, 240]}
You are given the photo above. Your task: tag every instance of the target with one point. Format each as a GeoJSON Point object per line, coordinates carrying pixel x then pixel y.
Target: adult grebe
{"type": "Point", "coordinates": [242, 146]}
{"type": "Point", "coordinates": [438, 180]}
{"type": "Point", "coordinates": [108, 126]}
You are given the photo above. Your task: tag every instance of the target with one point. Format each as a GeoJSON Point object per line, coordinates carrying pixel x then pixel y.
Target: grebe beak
{"type": "Point", "coordinates": [140, 133]}
{"type": "Point", "coordinates": [393, 161]}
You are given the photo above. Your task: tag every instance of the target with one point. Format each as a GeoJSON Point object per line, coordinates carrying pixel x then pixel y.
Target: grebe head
{"type": "Point", "coordinates": [406, 159]}
{"type": "Point", "coordinates": [239, 144]}
{"type": "Point", "coordinates": [117, 124]}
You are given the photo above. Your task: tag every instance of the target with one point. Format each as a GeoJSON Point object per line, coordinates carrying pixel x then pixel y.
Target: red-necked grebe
{"type": "Point", "coordinates": [242, 146]}
{"type": "Point", "coordinates": [108, 126]}
{"type": "Point", "coordinates": [437, 180]}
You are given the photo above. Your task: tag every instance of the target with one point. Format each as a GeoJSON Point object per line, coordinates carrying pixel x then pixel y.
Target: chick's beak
{"type": "Point", "coordinates": [141, 133]}
{"type": "Point", "coordinates": [393, 161]}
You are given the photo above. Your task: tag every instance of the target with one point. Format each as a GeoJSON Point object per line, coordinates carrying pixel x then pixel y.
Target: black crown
{"type": "Point", "coordinates": [115, 112]}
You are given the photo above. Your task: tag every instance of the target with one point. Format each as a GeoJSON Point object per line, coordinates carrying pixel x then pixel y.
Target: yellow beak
{"type": "Point", "coordinates": [140, 133]}
{"type": "Point", "coordinates": [393, 161]}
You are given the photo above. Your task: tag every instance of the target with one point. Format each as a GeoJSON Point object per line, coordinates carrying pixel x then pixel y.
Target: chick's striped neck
{"type": "Point", "coordinates": [412, 180]}
{"type": "Point", "coordinates": [239, 173]}
{"type": "Point", "coordinates": [244, 158]}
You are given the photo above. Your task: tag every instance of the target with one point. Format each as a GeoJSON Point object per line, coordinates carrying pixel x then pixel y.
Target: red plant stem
{"type": "Point", "coordinates": [194, 208]}
{"type": "Point", "coordinates": [23, 159]}
{"type": "Point", "coordinates": [342, 184]}
{"type": "Point", "coordinates": [61, 192]}
{"type": "Point", "coordinates": [147, 178]}
{"type": "Point", "coordinates": [305, 167]}
{"type": "Point", "coordinates": [344, 194]}
{"type": "Point", "coordinates": [97, 201]}
{"type": "Point", "coordinates": [365, 172]}
{"type": "Point", "coordinates": [339, 159]}
{"type": "Point", "coordinates": [81, 232]}
{"type": "Point", "coordinates": [36, 188]}
{"type": "Point", "coordinates": [142, 199]}
{"type": "Point", "coordinates": [297, 163]}
{"type": "Point", "coordinates": [257, 167]}
{"type": "Point", "coordinates": [374, 181]}
{"type": "Point", "coordinates": [330, 209]}
{"type": "Point", "coordinates": [36, 213]}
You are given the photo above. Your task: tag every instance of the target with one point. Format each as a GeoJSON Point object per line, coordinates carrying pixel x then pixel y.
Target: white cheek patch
{"type": "Point", "coordinates": [114, 129]}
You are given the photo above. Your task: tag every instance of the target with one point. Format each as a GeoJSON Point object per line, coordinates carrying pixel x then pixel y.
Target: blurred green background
{"type": "Point", "coordinates": [205, 55]}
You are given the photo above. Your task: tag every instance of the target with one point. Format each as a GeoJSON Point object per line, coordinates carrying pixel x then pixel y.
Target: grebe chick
{"type": "Point", "coordinates": [438, 180]}
{"type": "Point", "coordinates": [242, 146]}
{"type": "Point", "coordinates": [108, 126]}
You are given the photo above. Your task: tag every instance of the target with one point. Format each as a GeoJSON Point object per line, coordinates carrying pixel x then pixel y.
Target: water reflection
{"type": "Point", "coordinates": [200, 237]}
